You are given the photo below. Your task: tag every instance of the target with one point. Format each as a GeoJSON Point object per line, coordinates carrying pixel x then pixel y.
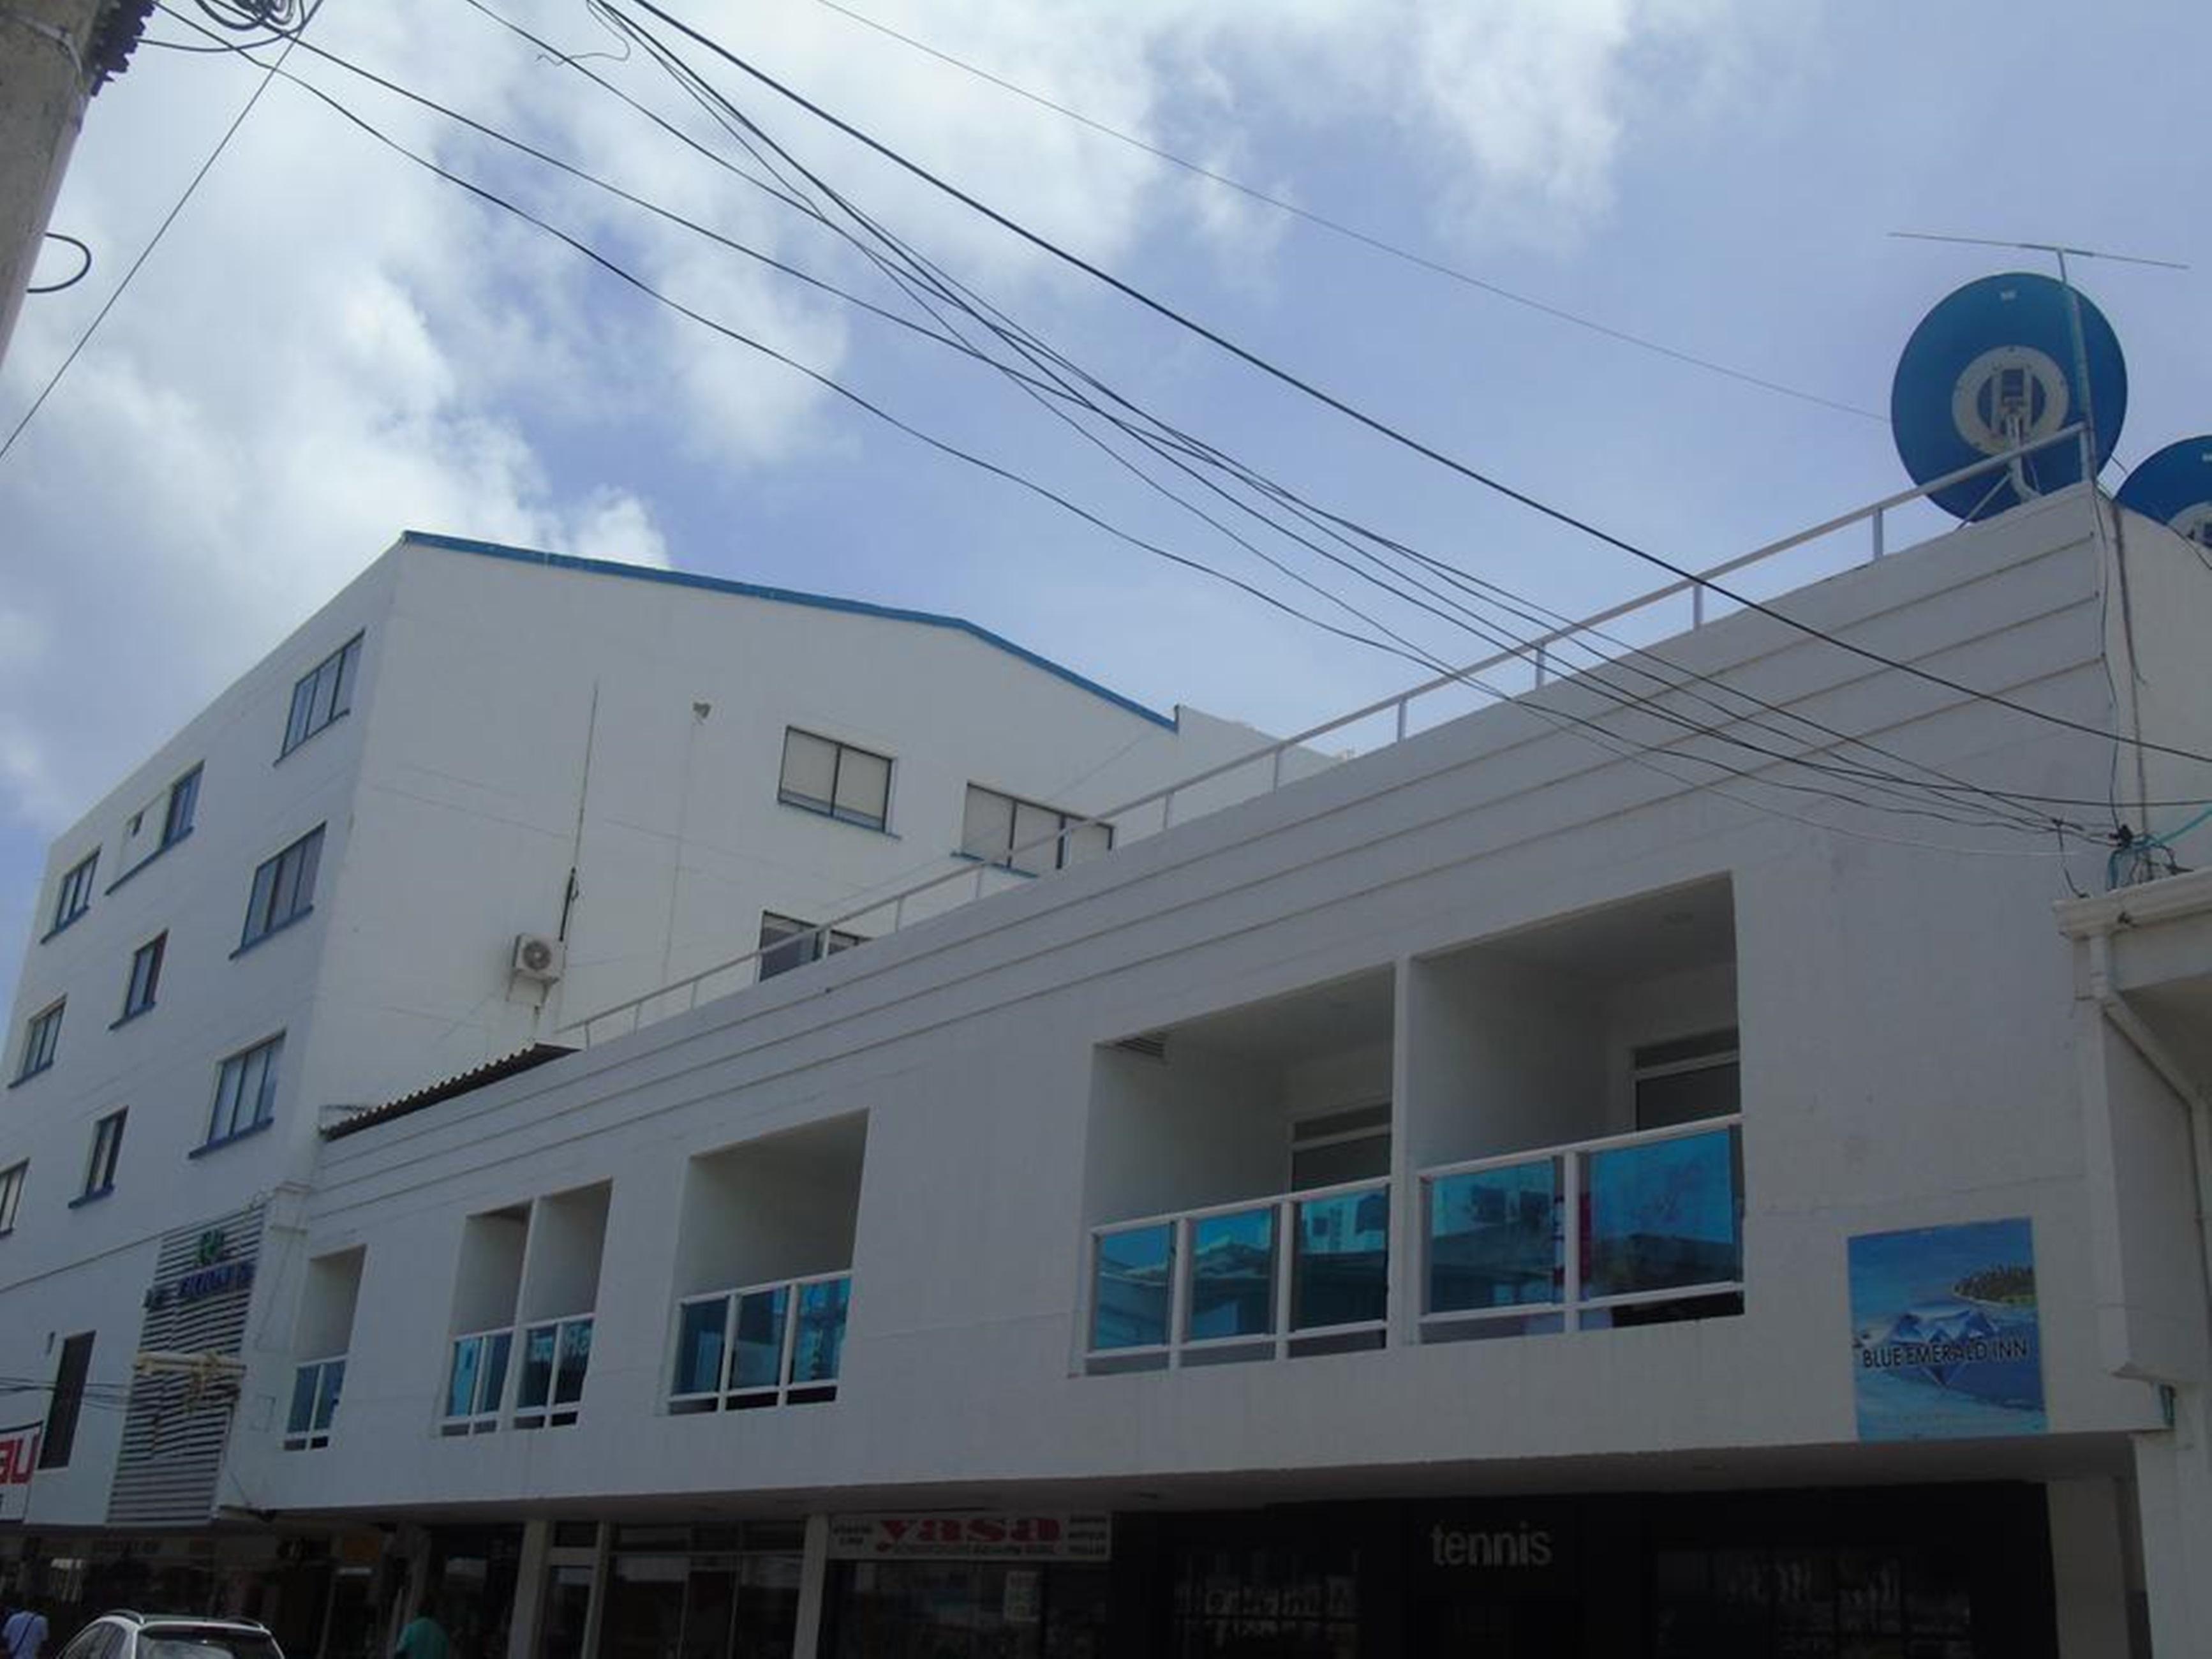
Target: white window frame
{"type": "Point", "coordinates": [74, 897]}
{"type": "Point", "coordinates": [273, 904]}
{"type": "Point", "coordinates": [42, 1039]}
{"type": "Point", "coordinates": [791, 931]}
{"type": "Point", "coordinates": [1299, 1143]}
{"type": "Point", "coordinates": [1710, 1060]}
{"type": "Point", "coordinates": [231, 1078]}
{"type": "Point", "coordinates": [1018, 855]}
{"type": "Point", "coordinates": [806, 802]}
{"type": "Point", "coordinates": [106, 1152]}
{"type": "Point", "coordinates": [322, 695]}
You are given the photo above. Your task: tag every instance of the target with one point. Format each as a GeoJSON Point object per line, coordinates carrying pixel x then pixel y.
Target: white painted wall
{"type": "Point", "coordinates": [1906, 1061]}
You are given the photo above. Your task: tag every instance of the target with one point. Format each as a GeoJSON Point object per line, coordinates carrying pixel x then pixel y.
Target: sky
{"type": "Point", "coordinates": [331, 345]}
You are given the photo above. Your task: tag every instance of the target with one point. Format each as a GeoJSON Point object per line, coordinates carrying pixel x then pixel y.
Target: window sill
{"type": "Point", "coordinates": [143, 862]}
{"type": "Point", "coordinates": [22, 1078]}
{"type": "Point", "coordinates": [83, 1198]}
{"type": "Point", "coordinates": [258, 940]}
{"type": "Point", "coordinates": [283, 755]}
{"type": "Point", "coordinates": [1002, 867]}
{"type": "Point", "coordinates": [65, 924]}
{"type": "Point", "coordinates": [135, 1013]}
{"type": "Point", "coordinates": [233, 1139]}
{"type": "Point", "coordinates": [883, 829]}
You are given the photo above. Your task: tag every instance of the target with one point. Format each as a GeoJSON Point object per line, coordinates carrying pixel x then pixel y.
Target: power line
{"type": "Point", "coordinates": [161, 230]}
{"type": "Point", "coordinates": [1349, 232]}
{"type": "Point", "coordinates": [1375, 423]}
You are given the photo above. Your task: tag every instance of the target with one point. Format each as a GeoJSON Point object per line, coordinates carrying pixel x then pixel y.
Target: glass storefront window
{"type": "Point", "coordinates": [967, 1610]}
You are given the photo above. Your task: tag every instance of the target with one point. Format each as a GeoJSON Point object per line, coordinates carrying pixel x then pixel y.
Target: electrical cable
{"type": "Point", "coordinates": [144, 254]}
{"type": "Point", "coordinates": [83, 270]}
{"type": "Point", "coordinates": [1338, 227]}
{"type": "Point", "coordinates": [1375, 423]}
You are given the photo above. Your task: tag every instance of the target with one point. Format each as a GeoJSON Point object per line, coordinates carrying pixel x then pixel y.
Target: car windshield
{"type": "Point", "coordinates": [207, 1644]}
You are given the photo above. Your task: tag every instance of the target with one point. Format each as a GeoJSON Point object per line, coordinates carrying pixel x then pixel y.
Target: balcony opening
{"type": "Point", "coordinates": [1575, 1116]}
{"type": "Point", "coordinates": [323, 1335]}
{"type": "Point", "coordinates": [486, 1286]}
{"type": "Point", "coordinates": [1237, 1184]}
{"type": "Point", "coordinates": [559, 1295]}
{"type": "Point", "coordinates": [764, 1269]}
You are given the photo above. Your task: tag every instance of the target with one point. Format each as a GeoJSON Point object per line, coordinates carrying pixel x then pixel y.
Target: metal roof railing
{"type": "Point", "coordinates": [1537, 651]}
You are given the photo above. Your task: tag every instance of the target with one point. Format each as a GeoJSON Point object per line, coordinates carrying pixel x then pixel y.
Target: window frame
{"type": "Point", "coordinates": [12, 1180]}
{"type": "Point", "coordinates": [134, 1002]}
{"type": "Point", "coordinates": [816, 943]}
{"type": "Point", "coordinates": [805, 802]}
{"type": "Point", "coordinates": [58, 1439]}
{"type": "Point", "coordinates": [75, 884]}
{"type": "Point", "coordinates": [224, 1125]}
{"type": "Point", "coordinates": [42, 1041]}
{"type": "Point", "coordinates": [178, 812]}
{"type": "Point", "coordinates": [1066, 821]}
{"type": "Point", "coordinates": [1718, 1048]}
{"type": "Point", "coordinates": [1299, 1139]}
{"type": "Point", "coordinates": [318, 703]}
{"type": "Point", "coordinates": [262, 917]}
{"type": "Point", "coordinates": [106, 1151]}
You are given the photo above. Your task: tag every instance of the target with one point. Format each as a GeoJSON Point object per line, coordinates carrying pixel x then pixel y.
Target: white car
{"type": "Point", "coordinates": [170, 1636]}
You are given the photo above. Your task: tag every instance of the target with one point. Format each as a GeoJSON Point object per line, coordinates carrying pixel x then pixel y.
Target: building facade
{"type": "Point", "coordinates": [479, 793]}
{"type": "Point", "coordinates": [1509, 1193]}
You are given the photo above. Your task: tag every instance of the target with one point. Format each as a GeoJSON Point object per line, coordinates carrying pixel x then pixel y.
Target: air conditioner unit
{"type": "Point", "coordinates": [539, 958]}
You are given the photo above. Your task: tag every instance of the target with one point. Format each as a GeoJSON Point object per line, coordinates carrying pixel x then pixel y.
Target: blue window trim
{"type": "Point", "coordinates": [821, 817]}
{"type": "Point", "coordinates": [311, 736]}
{"type": "Point", "coordinates": [118, 1023]}
{"type": "Point", "coordinates": [63, 927]}
{"type": "Point", "coordinates": [259, 939]}
{"type": "Point", "coordinates": [22, 1078]}
{"type": "Point", "coordinates": [92, 1197]}
{"type": "Point", "coordinates": [232, 1138]}
{"type": "Point", "coordinates": [148, 859]}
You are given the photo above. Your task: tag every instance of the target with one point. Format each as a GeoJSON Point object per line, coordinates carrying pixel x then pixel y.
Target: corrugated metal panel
{"type": "Point", "coordinates": [176, 1427]}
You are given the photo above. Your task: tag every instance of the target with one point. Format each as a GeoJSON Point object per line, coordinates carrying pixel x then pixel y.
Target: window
{"type": "Point", "coordinates": [787, 943]}
{"type": "Point", "coordinates": [40, 1038]}
{"type": "Point", "coordinates": [145, 977]}
{"type": "Point", "coordinates": [1339, 1147]}
{"type": "Point", "coordinates": [184, 800]}
{"type": "Point", "coordinates": [321, 696]}
{"type": "Point", "coordinates": [60, 1437]}
{"type": "Point", "coordinates": [996, 825]}
{"type": "Point", "coordinates": [76, 895]}
{"type": "Point", "coordinates": [244, 1091]}
{"type": "Point", "coordinates": [107, 1147]}
{"type": "Point", "coordinates": [1686, 1078]}
{"type": "Point", "coordinates": [835, 779]}
{"type": "Point", "coordinates": [283, 888]}
{"type": "Point", "coordinates": [11, 1194]}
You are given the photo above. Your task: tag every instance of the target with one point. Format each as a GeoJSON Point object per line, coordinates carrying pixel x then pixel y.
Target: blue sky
{"type": "Point", "coordinates": [332, 345]}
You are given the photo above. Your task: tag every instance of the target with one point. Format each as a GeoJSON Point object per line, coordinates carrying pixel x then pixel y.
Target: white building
{"type": "Point", "coordinates": [1509, 1193]}
{"type": "Point", "coordinates": [480, 792]}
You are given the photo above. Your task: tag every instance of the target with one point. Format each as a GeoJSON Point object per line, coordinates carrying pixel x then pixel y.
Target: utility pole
{"type": "Point", "coordinates": [54, 55]}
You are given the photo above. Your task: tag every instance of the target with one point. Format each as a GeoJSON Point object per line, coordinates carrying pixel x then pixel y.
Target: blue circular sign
{"type": "Point", "coordinates": [2175, 487]}
{"type": "Point", "coordinates": [1994, 367]}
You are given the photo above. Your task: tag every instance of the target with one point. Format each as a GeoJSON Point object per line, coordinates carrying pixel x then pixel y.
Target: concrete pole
{"type": "Point", "coordinates": [43, 85]}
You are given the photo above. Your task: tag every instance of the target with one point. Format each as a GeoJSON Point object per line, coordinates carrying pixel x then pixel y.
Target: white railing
{"type": "Point", "coordinates": [1205, 1285]}
{"type": "Point", "coordinates": [315, 1385]}
{"type": "Point", "coordinates": [777, 1344]}
{"type": "Point", "coordinates": [1537, 653]}
{"type": "Point", "coordinates": [1558, 1238]}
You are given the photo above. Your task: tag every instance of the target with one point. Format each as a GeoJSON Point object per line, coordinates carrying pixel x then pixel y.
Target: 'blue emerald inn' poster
{"type": "Point", "coordinates": [1944, 1339]}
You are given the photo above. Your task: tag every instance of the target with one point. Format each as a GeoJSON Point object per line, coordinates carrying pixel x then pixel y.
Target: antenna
{"type": "Point", "coordinates": [1981, 376]}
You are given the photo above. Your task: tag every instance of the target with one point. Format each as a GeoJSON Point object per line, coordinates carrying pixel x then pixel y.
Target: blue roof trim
{"type": "Point", "coordinates": [784, 596]}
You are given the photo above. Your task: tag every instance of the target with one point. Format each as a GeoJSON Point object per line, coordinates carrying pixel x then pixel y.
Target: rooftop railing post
{"type": "Point", "coordinates": [1876, 520]}
{"type": "Point", "coordinates": [1403, 704]}
{"type": "Point", "coordinates": [1275, 782]}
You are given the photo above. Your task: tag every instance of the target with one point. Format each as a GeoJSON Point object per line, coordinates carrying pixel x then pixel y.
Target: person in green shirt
{"type": "Point", "coordinates": [423, 1638]}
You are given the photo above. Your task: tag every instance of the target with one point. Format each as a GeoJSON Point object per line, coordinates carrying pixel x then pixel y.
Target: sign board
{"type": "Point", "coordinates": [1490, 1548]}
{"type": "Point", "coordinates": [971, 1535]}
{"type": "Point", "coordinates": [1945, 1341]}
{"type": "Point", "coordinates": [19, 1457]}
